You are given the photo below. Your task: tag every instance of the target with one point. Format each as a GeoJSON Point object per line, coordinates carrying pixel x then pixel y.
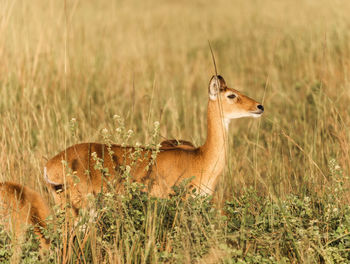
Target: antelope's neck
{"type": "Point", "coordinates": [214, 150]}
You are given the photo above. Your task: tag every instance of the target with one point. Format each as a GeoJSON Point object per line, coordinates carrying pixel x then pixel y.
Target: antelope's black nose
{"type": "Point", "coordinates": [260, 107]}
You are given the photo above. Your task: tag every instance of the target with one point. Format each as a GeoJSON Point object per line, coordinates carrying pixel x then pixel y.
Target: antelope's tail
{"type": "Point", "coordinates": [56, 186]}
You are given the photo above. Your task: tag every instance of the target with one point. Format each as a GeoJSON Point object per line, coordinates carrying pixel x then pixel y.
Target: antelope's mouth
{"type": "Point", "coordinates": [257, 113]}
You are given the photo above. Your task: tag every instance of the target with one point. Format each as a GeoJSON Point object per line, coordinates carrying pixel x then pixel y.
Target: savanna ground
{"type": "Point", "coordinates": [284, 192]}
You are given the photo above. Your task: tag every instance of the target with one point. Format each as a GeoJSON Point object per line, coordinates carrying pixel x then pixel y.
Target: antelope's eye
{"type": "Point", "coordinates": [231, 96]}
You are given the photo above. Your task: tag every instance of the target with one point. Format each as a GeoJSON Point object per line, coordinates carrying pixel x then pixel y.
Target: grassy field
{"type": "Point", "coordinates": [285, 188]}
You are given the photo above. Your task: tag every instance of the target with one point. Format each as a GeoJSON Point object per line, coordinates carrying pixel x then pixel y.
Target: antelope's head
{"type": "Point", "coordinates": [233, 103]}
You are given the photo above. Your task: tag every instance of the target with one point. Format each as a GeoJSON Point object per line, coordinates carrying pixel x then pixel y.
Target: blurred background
{"type": "Point", "coordinates": [150, 61]}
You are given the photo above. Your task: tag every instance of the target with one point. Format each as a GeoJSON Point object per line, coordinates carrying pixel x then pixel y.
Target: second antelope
{"type": "Point", "coordinates": [21, 206]}
{"type": "Point", "coordinates": [173, 163]}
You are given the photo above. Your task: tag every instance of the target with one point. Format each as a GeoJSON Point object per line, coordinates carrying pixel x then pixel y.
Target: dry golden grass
{"type": "Point", "coordinates": [150, 61]}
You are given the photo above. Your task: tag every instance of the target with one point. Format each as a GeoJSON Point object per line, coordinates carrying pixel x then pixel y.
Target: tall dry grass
{"type": "Point", "coordinates": [150, 61]}
{"type": "Point", "coordinates": [147, 61]}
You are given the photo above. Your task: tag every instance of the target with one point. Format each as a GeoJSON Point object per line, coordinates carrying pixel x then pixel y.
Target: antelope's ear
{"type": "Point", "coordinates": [216, 84]}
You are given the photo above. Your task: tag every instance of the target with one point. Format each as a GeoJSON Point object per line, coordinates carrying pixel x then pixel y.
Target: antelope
{"type": "Point", "coordinates": [21, 206]}
{"type": "Point", "coordinates": [174, 162]}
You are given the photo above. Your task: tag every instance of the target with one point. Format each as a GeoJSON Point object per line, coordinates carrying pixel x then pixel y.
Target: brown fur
{"type": "Point", "coordinates": [20, 206]}
{"type": "Point", "coordinates": [174, 162]}
{"type": "Point", "coordinates": [173, 143]}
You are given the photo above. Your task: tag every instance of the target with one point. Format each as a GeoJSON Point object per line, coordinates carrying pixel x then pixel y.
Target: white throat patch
{"type": "Point", "coordinates": [226, 122]}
